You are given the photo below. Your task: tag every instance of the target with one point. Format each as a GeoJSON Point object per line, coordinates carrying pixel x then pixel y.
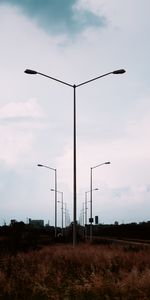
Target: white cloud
{"type": "Point", "coordinates": [120, 14]}
{"type": "Point", "coordinates": [18, 122]}
{"type": "Point", "coordinates": [21, 110]}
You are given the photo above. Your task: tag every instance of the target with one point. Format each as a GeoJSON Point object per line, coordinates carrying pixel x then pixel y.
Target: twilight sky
{"type": "Point", "coordinates": [75, 40]}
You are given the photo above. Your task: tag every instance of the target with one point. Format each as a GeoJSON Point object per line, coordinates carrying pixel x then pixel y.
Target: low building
{"type": "Point", "coordinates": [36, 223]}
{"type": "Point", "coordinates": [13, 221]}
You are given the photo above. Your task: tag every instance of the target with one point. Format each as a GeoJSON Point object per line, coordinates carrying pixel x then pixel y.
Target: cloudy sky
{"type": "Point", "coordinates": [75, 40]}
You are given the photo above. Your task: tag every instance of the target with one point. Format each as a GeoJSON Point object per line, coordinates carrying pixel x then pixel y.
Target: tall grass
{"type": "Point", "coordinates": [86, 272]}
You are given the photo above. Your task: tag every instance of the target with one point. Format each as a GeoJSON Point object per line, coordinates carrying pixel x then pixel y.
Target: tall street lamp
{"type": "Point", "coordinates": [91, 179]}
{"type": "Point", "coordinates": [74, 86]}
{"type": "Point", "coordinates": [55, 170]}
{"type": "Point", "coordinates": [62, 210]}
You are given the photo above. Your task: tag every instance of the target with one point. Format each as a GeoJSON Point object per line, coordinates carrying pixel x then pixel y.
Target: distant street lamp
{"type": "Point", "coordinates": [55, 170]}
{"type": "Point", "coordinates": [83, 212]}
{"type": "Point", "coordinates": [62, 209]}
{"type": "Point", "coordinates": [91, 179]}
{"type": "Point", "coordinates": [65, 213]}
{"type": "Point", "coordinates": [86, 208]}
{"type": "Point", "coordinates": [74, 86]}
{"type": "Point", "coordinates": [96, 189]}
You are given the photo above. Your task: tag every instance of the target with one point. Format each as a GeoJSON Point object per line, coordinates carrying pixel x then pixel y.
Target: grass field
{"type": "Point", "coordinates": [86, 272]}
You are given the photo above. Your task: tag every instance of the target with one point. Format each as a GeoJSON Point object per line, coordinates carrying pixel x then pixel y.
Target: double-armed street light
{"type": "Point", "coordinates": [74, 86]}
{"type": "Point", "coordinates": [62, 209]}
{"type": "Point", "coordinates": [55, 170]}
{"type": "Point", "coordinates": [91, 190]}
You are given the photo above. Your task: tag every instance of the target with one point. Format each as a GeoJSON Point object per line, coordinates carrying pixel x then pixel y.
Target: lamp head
{"type": "Point", "coordinates": [107, 163]}
{"type": "Point", "coordinates": [120, 71]}
{"type": "Point", "coordinates": [52, 190]}
{"type": "Point", "coordinates": [39, 165]}
{"type": "Point", "coordinates": [28, 71]}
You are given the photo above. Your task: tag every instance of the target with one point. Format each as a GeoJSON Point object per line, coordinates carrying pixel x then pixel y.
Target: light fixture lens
{"type": "Point", "coordinates": [28, 71]}
{"type": "Point", "coordinates": [121, 71]}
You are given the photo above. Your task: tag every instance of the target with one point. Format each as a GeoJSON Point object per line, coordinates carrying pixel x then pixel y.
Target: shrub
{"type": "Point", "coordinates": [84, 272]}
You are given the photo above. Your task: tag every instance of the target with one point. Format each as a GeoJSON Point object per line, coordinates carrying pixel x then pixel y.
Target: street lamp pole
{"type": "Point", "coordinates": [74, 172]}
{"type": "Point", "coordinates": [55, 170]}
{"type": "Point", "coordinates": [32, 72]}
{"type": "Point", "coordinates": [91, 189]}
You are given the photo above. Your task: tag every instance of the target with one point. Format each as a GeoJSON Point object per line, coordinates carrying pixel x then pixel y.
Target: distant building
{"type": "Point", "coordinates": [36, 223]}
{"type": "Point", "coordinates": [13, 221]}
{"type": "Point", "coordinates": [116, 223]}
{"type": "Point", "coordinates": [96, 220]}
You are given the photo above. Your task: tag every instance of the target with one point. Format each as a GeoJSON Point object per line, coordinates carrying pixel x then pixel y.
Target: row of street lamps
{"type": "Point", "coordinates": [56, 201]}
{"type": "Point", "coordinates": [62, 201]}
{"type": "Point", "coordinates": [55, 170]}
{"type": "Point", "coordinates": [74, 86]}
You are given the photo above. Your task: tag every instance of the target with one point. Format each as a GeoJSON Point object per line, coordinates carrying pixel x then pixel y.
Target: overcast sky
{"type": "Point", "coordinates": [75, 40]}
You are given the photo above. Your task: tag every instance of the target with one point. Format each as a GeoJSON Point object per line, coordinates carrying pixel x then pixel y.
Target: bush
{"type": "Point", "coordinates": [85, 272]}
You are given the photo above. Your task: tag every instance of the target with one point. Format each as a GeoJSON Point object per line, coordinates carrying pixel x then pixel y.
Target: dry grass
{"type": "Point", "coordinates": [86, 272]}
